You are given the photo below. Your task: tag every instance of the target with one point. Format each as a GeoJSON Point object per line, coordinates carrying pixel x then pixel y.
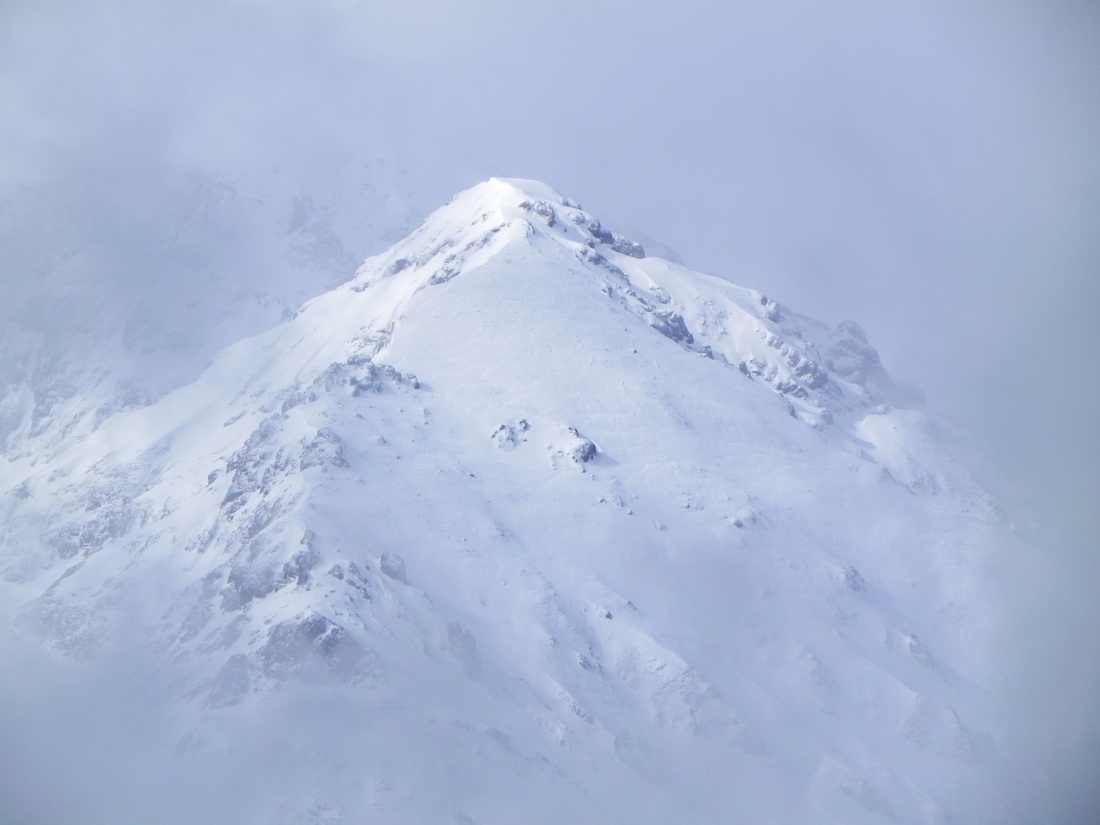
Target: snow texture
{"type": "Point", "coordinates": [572, 533]}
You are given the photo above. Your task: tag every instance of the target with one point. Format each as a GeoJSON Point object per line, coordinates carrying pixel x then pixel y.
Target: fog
{"type": "Point", "coordinates": [928, 170]}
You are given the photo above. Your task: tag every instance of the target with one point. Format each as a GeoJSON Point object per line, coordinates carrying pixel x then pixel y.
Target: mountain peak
{"type": "Point", "coordinates": [474, 220]}
{"type": "Point", "coordinates": [820, 371]}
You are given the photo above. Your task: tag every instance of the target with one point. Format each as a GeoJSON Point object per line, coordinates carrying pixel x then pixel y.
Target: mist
{"type": "Point", "coordinates": [928, 170]}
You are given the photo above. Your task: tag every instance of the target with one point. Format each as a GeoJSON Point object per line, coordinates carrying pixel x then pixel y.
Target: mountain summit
{"type": "Point", "coordinates": [525, 525]}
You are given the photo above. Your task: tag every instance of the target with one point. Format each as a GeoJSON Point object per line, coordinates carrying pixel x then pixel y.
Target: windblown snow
{"type": "Point", "coordinates": [537, 528]}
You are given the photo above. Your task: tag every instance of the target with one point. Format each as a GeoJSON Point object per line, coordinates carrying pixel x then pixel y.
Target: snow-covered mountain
{"type": "Point", "coordinates": [535, 528]}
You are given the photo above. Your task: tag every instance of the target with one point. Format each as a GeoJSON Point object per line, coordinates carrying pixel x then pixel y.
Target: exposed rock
{"type": "Point", "coordinates": [583, 450]}
{"type": "Point", "coordinates": [672, 325]}
{"type": "Point", "coordinates": [312, 649]}
{"type": "Point", "coordinates": [232, 683]}
{"type": "Point", "coordinates": [393, 565]}
{"type": "Point", "coordinates": [326, 448]}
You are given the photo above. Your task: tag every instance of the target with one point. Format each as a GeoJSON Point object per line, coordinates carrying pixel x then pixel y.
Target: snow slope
{"type": "Point", "coordinates": [525, 525]}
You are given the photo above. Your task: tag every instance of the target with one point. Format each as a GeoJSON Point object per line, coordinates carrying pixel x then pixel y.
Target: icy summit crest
{"type": "Point", "coordinates": [821, 371]}
{"type": "Point", "coordinates": [473, 220]}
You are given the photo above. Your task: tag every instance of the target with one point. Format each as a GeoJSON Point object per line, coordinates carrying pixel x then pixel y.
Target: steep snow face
{"type": "Point", "coordinates": [603, 536]}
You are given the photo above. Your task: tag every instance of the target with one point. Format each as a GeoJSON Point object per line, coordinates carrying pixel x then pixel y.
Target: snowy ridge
{"type": "Point", "coordinates": [708, 315]}
{"type": "Point", "coordinates": [106, 318]}
{"type": "Point", "coordinates": [646, 540]}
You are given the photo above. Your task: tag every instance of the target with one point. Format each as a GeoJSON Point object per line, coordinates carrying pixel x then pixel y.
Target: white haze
{"type": "Point", "coordinates": [928, 170]}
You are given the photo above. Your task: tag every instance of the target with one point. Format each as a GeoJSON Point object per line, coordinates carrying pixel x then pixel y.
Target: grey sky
{"type": "Point", "coordinates": [930, 169]}
{"type": "Point", "coordinates": [926, 169]}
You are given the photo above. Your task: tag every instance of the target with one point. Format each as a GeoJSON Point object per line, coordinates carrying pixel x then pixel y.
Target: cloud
{"type": "Point", "coordinates": [930, 171]}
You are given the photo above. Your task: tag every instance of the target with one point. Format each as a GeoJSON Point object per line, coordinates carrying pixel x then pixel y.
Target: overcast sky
{"type": "Point", "coordinates": [929, 169]}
